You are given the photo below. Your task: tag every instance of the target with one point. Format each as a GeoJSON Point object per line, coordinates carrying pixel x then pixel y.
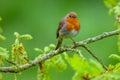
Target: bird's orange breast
{"type": "Point", "coordinates": [72, 25]}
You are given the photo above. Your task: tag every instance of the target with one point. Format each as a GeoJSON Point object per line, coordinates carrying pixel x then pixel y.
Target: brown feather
{"type": "Point", "coordinates": [59, 27]}
{"type": "Point", "coordinates": [60, 39]}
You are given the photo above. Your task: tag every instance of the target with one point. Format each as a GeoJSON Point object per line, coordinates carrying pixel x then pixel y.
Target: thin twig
{"type": "Point", "coordinates": [25, 57]}
{"type": "Point", "coordinates": [93, 55]}
{"type": "Point", "coordinates": [11, 62]}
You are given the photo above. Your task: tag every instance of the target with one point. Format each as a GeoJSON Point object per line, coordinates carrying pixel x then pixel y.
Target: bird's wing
{"type": "Point", "coordinates": [61, 23]}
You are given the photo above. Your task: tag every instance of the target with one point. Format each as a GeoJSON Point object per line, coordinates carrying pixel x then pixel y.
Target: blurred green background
{"type": "Point", "coordinates": [40, 19]}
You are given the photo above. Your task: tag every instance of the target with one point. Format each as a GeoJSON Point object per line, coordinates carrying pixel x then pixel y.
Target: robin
{"type": "Point", "coordinates": [68, 27]}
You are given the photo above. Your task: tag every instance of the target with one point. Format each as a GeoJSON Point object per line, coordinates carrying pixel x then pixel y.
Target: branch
{"type": "Point", "coordinates": [35, 61]}
{"type": "Point", "coordinates": [59, 51]}
{"type": "Point", "coordinates": [91, 53]}
{"type": "Point", "coordinates": [96, 38]}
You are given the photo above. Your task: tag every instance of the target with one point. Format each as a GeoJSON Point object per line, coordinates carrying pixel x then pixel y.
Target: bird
{"type": "Point", "coordinates": [68, 27]}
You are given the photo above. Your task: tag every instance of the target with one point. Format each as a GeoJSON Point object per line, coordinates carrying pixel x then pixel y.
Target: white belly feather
{"type": "Point", "coordinates": [68, 34]}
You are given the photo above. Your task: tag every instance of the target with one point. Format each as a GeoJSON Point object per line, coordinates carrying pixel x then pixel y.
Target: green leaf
{"type": "Point", "coordinates": [96, 64]}
{"type": "Point", "coordinates": [110, 3]}
{"type": "Point", "coordinates": [111, 11]}
{"type": "Point", "coordinates": [52, 46]}
{"type": "Point", "coordinates": [43, 75]}
{"type": "Point", "coordinates": [26, 37]}
{"type": "Point", "coordinates": [94, 67]}
{"type": "Point", "coordinates": [16, 43]}
{"type": "Point", "coordinates": [76, 61]}
{"type": "Point", "coordinates": [77, 76]}
{"type": "Point", "coordinates": [117, 10]}
{"type": "Point", "coordinates": [117, 66]}
{"type": "Point", "coordinates": [115, 56]}
{"type": "Point", "coordinates": [2, 37]}
{"type": "Point", "coordinates": [46, 49]}
{"type": "Point", "coordinates": [38, 50]}
{"type": "Point", "coordinates": [59, 63]}
{"type": "Point", "coordinates": [3, 54]}
{"type": "Point", "coordinates": [17, 35]}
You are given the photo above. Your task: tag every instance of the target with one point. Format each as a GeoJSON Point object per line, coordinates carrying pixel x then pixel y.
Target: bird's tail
{"type": "Point", "coordinates": [59, 43]}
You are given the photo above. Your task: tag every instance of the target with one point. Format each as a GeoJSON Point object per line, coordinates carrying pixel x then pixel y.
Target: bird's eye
{"type": "Point", "coordinates": [70, 16]}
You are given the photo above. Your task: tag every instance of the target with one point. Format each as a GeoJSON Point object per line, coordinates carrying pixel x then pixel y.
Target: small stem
{"type": "Point", "coordinates": [11, 62]}
{"type": "Point", "coordinates": [93, 55]}
{"type": "Point", "coordinates": [27, 59]}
